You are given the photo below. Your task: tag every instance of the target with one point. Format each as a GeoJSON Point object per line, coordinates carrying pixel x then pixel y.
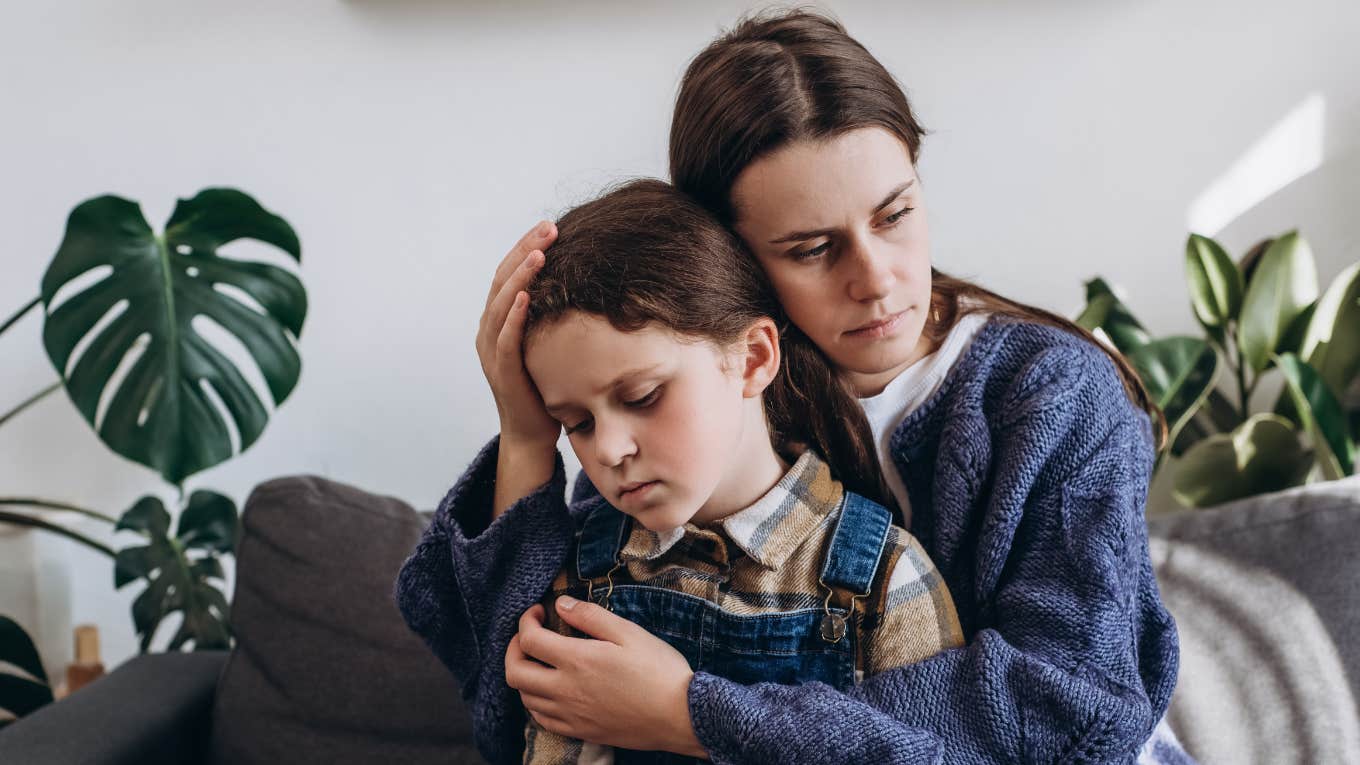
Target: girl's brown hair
{"type": "Point", "coordinates": [644, 254]}
{"type": "Point", "coordinates": [779, 78]}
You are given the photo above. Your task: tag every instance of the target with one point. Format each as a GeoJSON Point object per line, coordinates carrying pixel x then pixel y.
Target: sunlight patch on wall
{"type": "Point", "coordinates": [1291, 149]}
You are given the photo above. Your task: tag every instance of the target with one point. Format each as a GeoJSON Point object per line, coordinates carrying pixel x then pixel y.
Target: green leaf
{"type": "Point", "coordinates": [1263, 455]}
{"type": "Point", "coordinates": [159, 414]}
{"type": "Point", "coordinates": [20, 696]}
{"type": "Point", "coordinates": [17, 648]}
{"type": "Point", "coordinates": [178, 583]}
{"type": "Point", "coordinates": [209, 522]}
{"type": "Point", "coordinates": [1216, 285]}
{"type": "Point", "coordinates": [133, 563]}
{"type": "Point", "coordinates": [1331, 345]}
{"type": "Point", "coordinates": [1284, 283]}
{"type": "Point", "coordinates": [1247, 265]}
{"type": "Point", "coordinates": [1112, 317]}
{"type": "Point", "coordinates": [1221, 412]}
{"type": "Point", "coordinates": [208, 568]}
{"type": "Point", "coordinates": [1179, 373]}
{"type": "Point", "coordinates": [147, 515]}
{"type": "Point", "coordinates": [1321, 417]}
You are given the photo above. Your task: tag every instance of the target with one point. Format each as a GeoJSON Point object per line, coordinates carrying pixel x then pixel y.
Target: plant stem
{"type": "Point", "coordinates": [25, 520]}
{"type": "Point", "coordinates": [31, 401]}
{"type": "Point", "coordinates": [19, 314]}
{"type": "Point", "coordinates": [50, 505]}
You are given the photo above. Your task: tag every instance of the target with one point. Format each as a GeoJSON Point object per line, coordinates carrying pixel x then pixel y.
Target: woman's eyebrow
{"type": "Point", "coordinates": [798, 236]}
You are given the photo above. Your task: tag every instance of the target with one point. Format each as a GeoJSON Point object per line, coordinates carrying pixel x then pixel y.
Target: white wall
{"type": "Point", "coordinates": [410, 142]}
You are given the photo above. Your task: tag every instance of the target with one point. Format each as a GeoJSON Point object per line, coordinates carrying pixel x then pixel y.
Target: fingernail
{"type": "Point", "coordinates": [544, 228]}
{"type": "Point", "coordinates": [567, 602]}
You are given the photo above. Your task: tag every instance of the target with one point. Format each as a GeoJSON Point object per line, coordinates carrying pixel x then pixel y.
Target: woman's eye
{"type": "Point", "coordinates": [815, 252]}
{"type": "Point", "coordinates": [897, 216]}
{"type": "Point", "coordinates": [646, 400]}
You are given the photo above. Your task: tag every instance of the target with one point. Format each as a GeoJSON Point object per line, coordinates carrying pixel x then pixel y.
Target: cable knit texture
{"type": "Point", "coordinates": [1027, 473]}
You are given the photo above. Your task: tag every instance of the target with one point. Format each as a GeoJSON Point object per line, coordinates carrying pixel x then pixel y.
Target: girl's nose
{"type": "Point", "coordinates": [871, 276]}
{"type": "Point", "coordinates": [613, 443]}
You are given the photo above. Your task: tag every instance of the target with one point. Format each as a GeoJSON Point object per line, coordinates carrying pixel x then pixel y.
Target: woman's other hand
{"type": "Point", "coordinates": [627, 688]}
{"type": "Point", "coordinates": [528, 434]}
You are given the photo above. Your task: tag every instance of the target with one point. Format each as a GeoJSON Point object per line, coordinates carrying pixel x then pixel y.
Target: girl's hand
{"type": "Point", "coordinates": [626, 689]}
{"type": "Point", "coordinates": [500, 347]}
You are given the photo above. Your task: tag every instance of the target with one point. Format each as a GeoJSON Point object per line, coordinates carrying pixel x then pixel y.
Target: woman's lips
{"type": "Point", "coordinates": [881, 328]}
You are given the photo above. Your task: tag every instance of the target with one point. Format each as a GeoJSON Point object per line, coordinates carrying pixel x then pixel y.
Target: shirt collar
{"type": "Point", "coordinates": [769, 529]}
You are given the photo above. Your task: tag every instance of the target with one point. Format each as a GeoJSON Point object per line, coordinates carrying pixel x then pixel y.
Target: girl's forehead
{"type": "Point", "coordinates": [581, 355]}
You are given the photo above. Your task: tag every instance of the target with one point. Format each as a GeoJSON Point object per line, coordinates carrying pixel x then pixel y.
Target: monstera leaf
{"type": "Point", "coordinates": [20, 695]}
{"type": "Point", "coordinates": [176, 579]}
{"type": "Point", "coordinates": [162, 413]}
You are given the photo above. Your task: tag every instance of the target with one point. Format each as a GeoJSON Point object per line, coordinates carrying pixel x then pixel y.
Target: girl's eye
{"type": "Point", "coordinates": [581, 427]}
{"type": "Point", "coordinates": [646, 400]}
{"type": "Point", "coordinates": [893, 219]}
{"type": "Point", "coordinates": [813, 253]}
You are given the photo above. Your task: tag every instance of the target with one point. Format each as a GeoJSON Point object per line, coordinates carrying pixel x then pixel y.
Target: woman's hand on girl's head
{"type": "Point", "coordinates": [627, 688]}
{"type": "Point", "coordinates": [500, 343]}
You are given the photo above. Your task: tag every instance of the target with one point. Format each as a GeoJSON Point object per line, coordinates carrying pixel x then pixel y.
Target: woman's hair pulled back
{"type": "Point", "coordinates": [646, 254]}
{"type": "Point", "coordinates": [781, 77]}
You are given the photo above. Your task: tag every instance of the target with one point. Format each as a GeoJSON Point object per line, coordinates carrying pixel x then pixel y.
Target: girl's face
{"type": "Point", "coordinates": [669, 431]}
{"type": "Point", "coordinates": [839, 226]}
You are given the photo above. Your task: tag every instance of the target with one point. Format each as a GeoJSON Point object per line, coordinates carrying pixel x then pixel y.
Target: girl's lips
{"type": "Point", "coordinates": [878, 329]}
{"type": "Point", "coordinates": [636, 490]}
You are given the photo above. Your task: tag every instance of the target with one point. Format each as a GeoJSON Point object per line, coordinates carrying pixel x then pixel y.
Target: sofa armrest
{"type": "Point", "coordinates": [154, 708]}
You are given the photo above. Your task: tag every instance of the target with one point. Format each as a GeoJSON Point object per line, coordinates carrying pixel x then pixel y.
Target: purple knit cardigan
{"type": "Point", "coordinates": [1027, 472]}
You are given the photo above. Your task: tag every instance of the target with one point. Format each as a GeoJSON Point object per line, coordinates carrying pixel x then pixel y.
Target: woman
{"type": "Point", "coordinates": [1019, 451]}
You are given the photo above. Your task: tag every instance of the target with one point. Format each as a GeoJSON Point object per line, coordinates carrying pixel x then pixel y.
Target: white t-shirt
{"type": "Point", "coordinates": [911, 388]}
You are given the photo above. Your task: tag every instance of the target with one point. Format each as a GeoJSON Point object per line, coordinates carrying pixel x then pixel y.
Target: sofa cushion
{"type": "Point", "coordinates": [324, 668]}
{"type": "Point", "coordinates": [1266, 596]}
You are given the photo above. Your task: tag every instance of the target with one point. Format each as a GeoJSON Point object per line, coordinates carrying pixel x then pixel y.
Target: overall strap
{"type": "Point", "coordinates": [856, 546]}
{"type": "Point", "coordinates": [602, 537]}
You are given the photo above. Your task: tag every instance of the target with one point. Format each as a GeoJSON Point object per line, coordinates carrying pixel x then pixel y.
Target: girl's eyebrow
{"type": "Point", "coordinates": [622, 377]}
{"type": "Point", "coordinates": [798, 236]}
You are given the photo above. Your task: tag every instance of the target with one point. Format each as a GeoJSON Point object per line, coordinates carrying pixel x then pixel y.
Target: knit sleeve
{"type": "Point", "coordinates": [468, 581]}
{"type": "Point", "coordinates": [1073, 656]}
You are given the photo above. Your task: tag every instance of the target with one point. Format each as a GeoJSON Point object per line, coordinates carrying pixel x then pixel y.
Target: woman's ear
{"type": "Point", "coordinates": [761, 359]}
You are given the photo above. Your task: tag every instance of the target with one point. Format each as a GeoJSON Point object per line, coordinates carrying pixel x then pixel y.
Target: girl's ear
{"type": "Point", "coordinates": [761, 360]}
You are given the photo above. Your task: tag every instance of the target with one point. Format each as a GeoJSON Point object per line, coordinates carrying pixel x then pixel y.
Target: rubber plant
{"type": "Point", "coordinates": [131, 302]}
{"type": "Point", "coordinates": [1262, 316]}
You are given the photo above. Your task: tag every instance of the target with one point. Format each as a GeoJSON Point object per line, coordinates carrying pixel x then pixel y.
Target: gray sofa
{"type": "Point", "coordinates": [1265, 592]}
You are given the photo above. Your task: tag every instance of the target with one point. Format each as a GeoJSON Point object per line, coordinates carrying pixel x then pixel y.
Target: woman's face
{"type": "Point", "coordinates": [839, 226]}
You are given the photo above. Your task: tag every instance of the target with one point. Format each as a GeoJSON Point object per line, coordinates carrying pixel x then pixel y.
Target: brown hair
{"type": "Point", "coordinates": [644, 253]}
{"type": "Point", "coordinates": [783, 77]}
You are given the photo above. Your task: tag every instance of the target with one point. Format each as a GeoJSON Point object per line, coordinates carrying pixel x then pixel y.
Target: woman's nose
{"type": "Point", "coordinates": [871, 276]}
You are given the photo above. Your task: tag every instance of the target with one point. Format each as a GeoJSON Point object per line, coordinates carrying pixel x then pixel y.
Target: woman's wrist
{"type": "Point", "coordinates": [522, 466]}
{"type": "Point", "coordinates": [685, 741]}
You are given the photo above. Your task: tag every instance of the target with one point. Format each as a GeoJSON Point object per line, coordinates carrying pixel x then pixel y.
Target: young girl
{"type": "Point", "coordinates": [649, 336]}
{"type": "Point", "coordinates": [1019, 447]}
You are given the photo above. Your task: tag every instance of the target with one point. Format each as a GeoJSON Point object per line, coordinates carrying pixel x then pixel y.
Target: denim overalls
{"type": "Point", "coordinates": [787, 647]}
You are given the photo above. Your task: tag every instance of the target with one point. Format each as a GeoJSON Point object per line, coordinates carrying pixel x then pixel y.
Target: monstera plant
{"type": "Point", "coordinates": [1262, 317]}
{"type": "Point", "coordinates": [28, 689]}
{"type": "Point", "coordinates": [120, 297]}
